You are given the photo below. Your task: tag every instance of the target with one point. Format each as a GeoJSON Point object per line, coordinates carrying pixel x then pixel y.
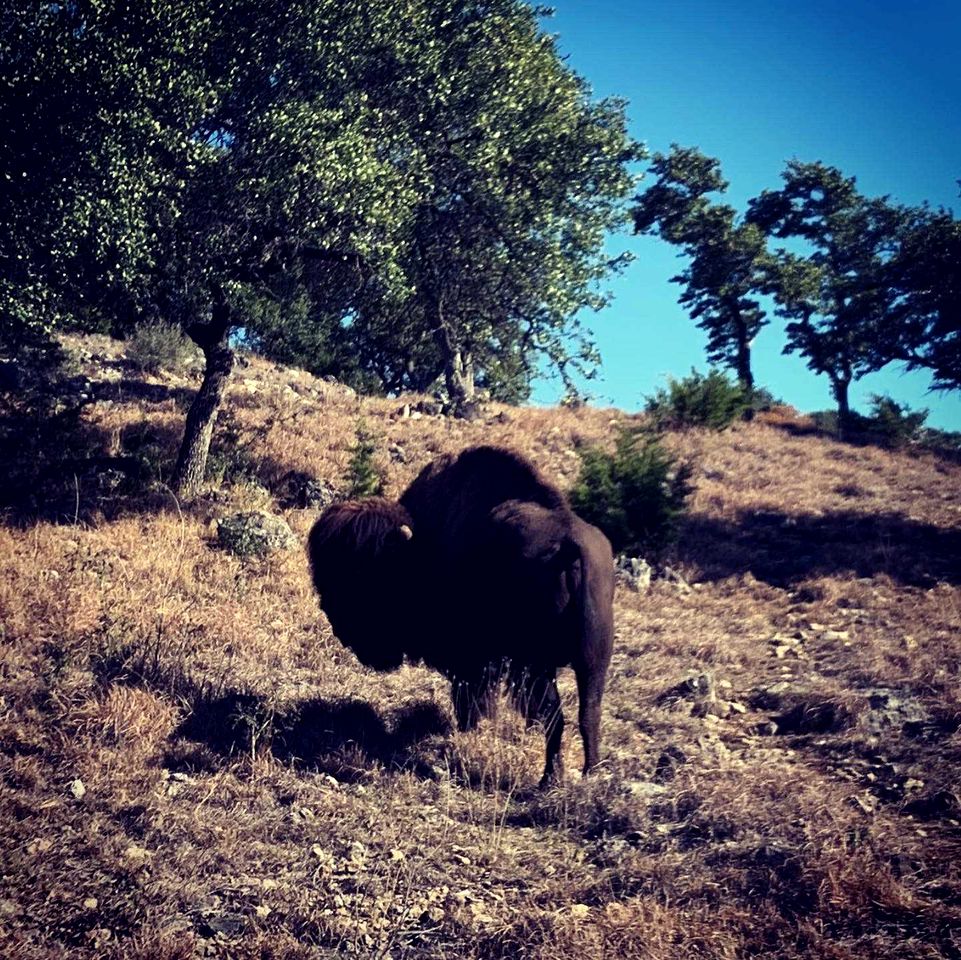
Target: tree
{"type": "Point", "coordinates": [926, 273]}
{"type": "Point", "coordinates": [211, 152]}
{"type": "Point", "coordinates": [278, 167]}
{"type": "Point", "coordinates": [525, 176]}
{"type": "Point", "coordinates": [837, 298]}
{"type": "Point", "coordinates": [726, 256]}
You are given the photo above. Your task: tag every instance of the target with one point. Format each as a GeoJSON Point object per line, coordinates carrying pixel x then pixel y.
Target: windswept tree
{"type": "Point", "coordinates": [837, 296]}
{"type": "Point", "coordinates": [926, 274]}
{"type": "Point", "coordinates": [727, 255]}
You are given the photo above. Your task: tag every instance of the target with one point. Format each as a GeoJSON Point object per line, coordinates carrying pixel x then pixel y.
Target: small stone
{"type": "Point", "coordinates": [254, 534]}
{"type": "Point", "coordinates": [263, 911]}
{"type": "Point", "coordinates": [268, 883]}
{"type": "Point", "coordinates": [633, 572]}
{"type": "Point", "coordinates": [737, 707]}
{"type": "Point", "coordinates": [580, 910]}
{"type": "Point", "coordinates": [913, 784]}
{"type": "Point", "coordinates": [77, 789]}
{"type": "Point", "coordinates": [91, 903]}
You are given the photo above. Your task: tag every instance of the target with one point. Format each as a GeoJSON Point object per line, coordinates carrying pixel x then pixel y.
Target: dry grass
{"type": "Point", "coordinates": [249, 791]}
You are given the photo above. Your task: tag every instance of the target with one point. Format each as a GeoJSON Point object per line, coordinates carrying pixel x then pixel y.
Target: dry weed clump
{"type": "Point", "coordinates": [192, 765]}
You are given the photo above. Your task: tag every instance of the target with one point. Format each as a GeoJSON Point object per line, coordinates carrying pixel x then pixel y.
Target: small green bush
{"type": "Point", "coordinates": [635, 495]}
{"type": "Point", "coordinates": [153, 347]}
{"type": "Point", "coordinates": [711, 401]}
{"type": "Point", "coordinates": [895, 424]}
{"type": "Point", "coordinates": [365, 477]}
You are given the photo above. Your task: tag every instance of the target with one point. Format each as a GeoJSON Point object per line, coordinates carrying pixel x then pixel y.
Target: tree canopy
{"type": "Point", "coordinates": [837, 297]}
{"type": "Point", "coordinates": [926, 274]}
{"type": "Point", "coordinates": [399, 189]}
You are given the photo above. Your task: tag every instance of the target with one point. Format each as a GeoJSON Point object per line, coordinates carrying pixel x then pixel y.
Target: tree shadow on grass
{"type": "Point", "coordinates": [64, 468]}
{"type": "Point", "coordinates": [782, 550]}
{"type": "Point", "coordinates": [343, 737]}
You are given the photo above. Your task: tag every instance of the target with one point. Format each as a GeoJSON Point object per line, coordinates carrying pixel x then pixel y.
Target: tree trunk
{"type": "Point", "coordinates": [459, 378]}
{"type": "Point", "coordinates": [191, 466]}
{"type": "Point", "coordinates": [744, 374]}
{"type": "Point", "coordinates": [458, 368]}
{"type": "Point", "coordinates": [840, 389]}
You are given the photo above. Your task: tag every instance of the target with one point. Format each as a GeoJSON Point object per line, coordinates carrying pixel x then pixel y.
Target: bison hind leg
{"type": "Point", "coordinates": [537, 698]}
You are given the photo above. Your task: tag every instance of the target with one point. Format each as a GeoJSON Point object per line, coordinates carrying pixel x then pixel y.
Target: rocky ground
{"type": "Point", "coordinates": [192, 766]}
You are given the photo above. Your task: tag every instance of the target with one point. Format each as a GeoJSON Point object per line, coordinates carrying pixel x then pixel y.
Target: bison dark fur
{"type": "Point", "coordinates": [499, 579]}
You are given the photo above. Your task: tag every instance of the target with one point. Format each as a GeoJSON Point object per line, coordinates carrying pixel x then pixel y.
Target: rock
{"type": "Point", "coordinates": [428, 408]}
{"type": "Point", "coordinates": [933, 806]}
{"type": "Point", "coordinates": [224, 925]}
{"type": "Point", "coordinates": [634, 572]}
{"type": "Point", "coordinates": [700, 686]}
{"type": "Point", "coordinates": [77, 789]}
{"type": "Point", "coordinates": [645, 789]}
{"type": "Point", "coordinates": [668, 762]}
{"type": "Point", "coordinates": [890, 709]}
{"type": "Point", "coordinates": [303, 491]}
{"type": "Point", "coordinates": [254, 534]}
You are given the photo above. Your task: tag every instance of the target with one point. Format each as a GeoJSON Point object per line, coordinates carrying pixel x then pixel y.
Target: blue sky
{"type": "Point", "coordinates": [873, 88]}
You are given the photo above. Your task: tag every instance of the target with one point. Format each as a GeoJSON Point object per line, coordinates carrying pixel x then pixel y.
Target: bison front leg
{"type": "Point", "coordinates": [471, 694]}
{"type": "Point", "coordinates": [538, 700]}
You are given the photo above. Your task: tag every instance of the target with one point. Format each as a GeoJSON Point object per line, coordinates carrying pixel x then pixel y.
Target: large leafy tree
{"type": "Point", "coordinates": [348, 182]}
{"type": "Point", "coordinates": [727, 256]}
{"type": "Point", "coordinates": [212, 151]}
{"type": "Point", "coordinates": [837, 296]}
{"type": "Point", "coordinates": [525, 177]}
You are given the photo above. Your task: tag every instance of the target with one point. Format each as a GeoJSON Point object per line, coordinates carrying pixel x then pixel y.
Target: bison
{"type": "Point", "coordinates": [483, 572]}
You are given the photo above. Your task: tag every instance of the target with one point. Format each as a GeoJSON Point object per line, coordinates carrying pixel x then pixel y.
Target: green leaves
{"type": "Point", "coordinates": [727, 257]}
{"type": "Point", "coordinates": [838, 297]}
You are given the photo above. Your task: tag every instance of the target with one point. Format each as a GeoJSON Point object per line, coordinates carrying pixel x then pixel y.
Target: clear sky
{"type": "Point", "coordinates": [870, 86]}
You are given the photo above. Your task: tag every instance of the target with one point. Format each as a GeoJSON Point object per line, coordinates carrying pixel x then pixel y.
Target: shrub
{"type": "Point", "coordinates": [895, 424]}
{"type": "Point", "coordinates": [711, 401]}
{"type": "Point", "coordinates": [365, 477]}
{"type": "Point", "coordinates": [635, 495]}
{"type": "Point", "coordinates": [153, 347]}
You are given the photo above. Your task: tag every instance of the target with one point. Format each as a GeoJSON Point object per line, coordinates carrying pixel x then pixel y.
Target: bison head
{"type": "Point", "coordinates": [363, 560]}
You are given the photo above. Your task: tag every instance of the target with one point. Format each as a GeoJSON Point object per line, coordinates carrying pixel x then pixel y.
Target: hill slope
{"type": "Point", "coordinates": [192, 765]}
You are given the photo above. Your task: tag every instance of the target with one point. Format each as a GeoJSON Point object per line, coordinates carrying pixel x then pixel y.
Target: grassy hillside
{"type": "Point", "coordinates": [192, 766]}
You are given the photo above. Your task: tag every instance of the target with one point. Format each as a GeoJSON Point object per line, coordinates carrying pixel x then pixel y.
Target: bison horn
{"type": "Point", "coordinates": [406, 531]}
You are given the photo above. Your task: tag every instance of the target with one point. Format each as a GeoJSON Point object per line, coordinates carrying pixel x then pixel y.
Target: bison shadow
{"type": "Point", "coordinates": [782, 550]}
{"type": "Point", "coordinates": [343, 737]}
